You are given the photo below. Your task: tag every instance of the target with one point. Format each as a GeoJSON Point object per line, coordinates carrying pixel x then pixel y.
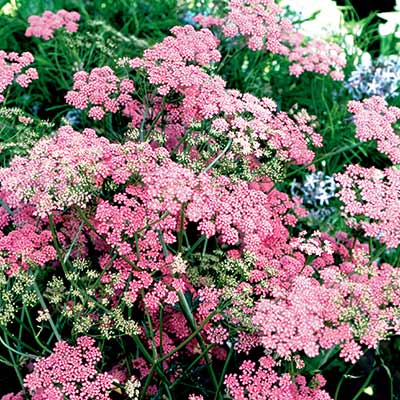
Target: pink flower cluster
{"type": "Point", "coordinates": [44, 26]}
{"type": "Point", "coordinates": [323, 304]}
{"type": "Point", "coordinates": [371, 200]}
{"type": "Point", "coordinates": [374, 119]}
{"type": "Point", "coordinates": [59, 171]}
{"type": "Point", "coordinates": [258, 20]}
{"type": "Point", "coordinates": [102, 91]}
{"type": "Point", "coordinates": [315, 56]}
{"type": "Point", "coordinates": [66, 171]}
{"type": "Point", "coordinates": [25, 246]}
{"type": "Point", "coordinates": [262, 123]}
{"type": "Point", "coordinates": [262, 382]}
{"type": "Point", "coordinates": [12, 396]}
{"type": "Point", "coordinates": [185, 47]}
{"type": "Point", "coordinates": [176, 64]}
{"type": "Point", "coordinates": [262, 24]}
{"type": "Point", "coordinates": [232, 212]}
{"type": "Point", "coordinates": [12, 68]}
{"type": "Point", "coordinates": [69, 372]}
{"type": "Point", "coordinates": [206, 97]}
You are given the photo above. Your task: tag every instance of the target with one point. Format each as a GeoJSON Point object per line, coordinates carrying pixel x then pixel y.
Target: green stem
{"type": "Point", "coordinates": [56, 243]}
{"type": "Point", "coordinates": [198, 242]}
{"type": "Point", "coordinates": [220, 155]}
{"type": "Point", "coordinates": [46, 310]}
{"type": "Point", "coordinates": [156, 119]}
{"type": "Point", "coordinates": [181, 225]}
{"type": "Point", "coordinates": [223, 372]}
{"type": "Point", "coordinates": [160, 324]}
{"type": "Point", "coordinates": [149, 358]}
{"type": "Point", "coordinates": [150, 331]}
{"type": "Point", "coordinates": [192, 323]}
{"type": "Point", "coordinates": [390, 379]}
{"type": "Point", "coordinates": [341, 382]}
{"type": "Point", "coordinates": [6, 344]}
{"type": "Point", "coordinates": [6, 362]}
{"type": "Point", "coordinates": [14, 363]}
{"type": "Point", "coordinates": [35, 336]}
{"type": "Point", "coordinates": [189, 338]}
{"type": "Point", "coordinates": [5, 206]}
{"type": "Point", "coordinates": [364, 386]}
{"type": "Point", "coordinates": [148, 379]}
{"type": "Point", "coordinates": [331, 124]}
{"type": "Point", "coordinates": [191, 365]}
{"type": "Point", "coordinates": [19, 343]}
{"type": "Point", "coordinates": [68, 253]}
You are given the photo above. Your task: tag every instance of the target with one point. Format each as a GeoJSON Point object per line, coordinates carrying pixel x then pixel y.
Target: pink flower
{"type": "Point", "coordinates": [371, 200]}
{"type": "Point", "coordinates": [102, 91]}
{"type": "Point", "coordinates": [263, 383]}
{"type": "Point", "coordinates": [262, 24]}
{"type": "Point", "coordinates": [374, 120]}
{"type": "Point", "coordinates": [69, 372]}
{"type": "Point", "coordinates": [12, 68]}
{"type": "Point", "coordinates": [45, 25]}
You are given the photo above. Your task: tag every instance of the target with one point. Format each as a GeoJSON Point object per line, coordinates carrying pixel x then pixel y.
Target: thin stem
{"type": "Point", "coordinates": [223, 372]}
{"type": "Point", "coordinates": [364, 386]}
{"type": "Point", "coordinates": [35, 336]}
{"type": "Point", "coordinates": [331, 124]}
{"type": "Point", "coordinates": [192, 364]}
{"type": "Point", "coordinates": [46, 310]}
{"type": "Point", "coordinates": [5, 206]}
{"type": "Point", "coordinates": [181, 225]}
{"type": "Point", "coordinates": [148, 379]}
{"type": "Point", "coordinates": [56, 243]}
{"type": "Point", "coordinates": [189, 338]}
{"type": "Point", "coordinates": [148, 357]}
{"type": "Point", "coordinates": [14, 363]}
{"type": "Point", "coordinates": [341, 382]}
{"type": "Point", "coordinates": [151, 331]}
{"type": "Point", "coordinates": [220, 155]}
{"type": "Point", "coordinates": [7, 345]}
{"type": "Point", "coordinates": [67, 255]}
{"type": "Point", "coordinates": [192, 323]}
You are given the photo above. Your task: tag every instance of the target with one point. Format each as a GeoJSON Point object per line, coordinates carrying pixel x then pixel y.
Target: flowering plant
{"type": "Point", "coordinates": [155, 233]}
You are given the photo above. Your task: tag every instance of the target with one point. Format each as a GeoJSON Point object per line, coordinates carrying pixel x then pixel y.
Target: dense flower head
{"type": "Point", "coordinates": [176, 62]}
{"type": "Point", "coordinates": [316, 56]}
{"type": "Point", "coordinates": [25, 246]}
{"type": "Point", "coordinates": [59, 171]}
{"type": "Point", "coordinates": [260, 381]}
{"type": "Point", "coordinates": [234, 213]}
{"type": "Point", "coordinates": [101, 91]}
{"type": "Point", "coordinates": [69, 372]}
{"type": "Point", "coordinates": [177, 65]}
{"type": "Point", "coordinates": [186, 46]}
{"type": "Point", "coordinates": [44, 26]}
{"type": "Point", "coordinates": [374, 119]}
{"type": "Point", "coordinates": [243, 118]}
{"type": "Point", "coordinates": [262, 24]}
{"type": "Point", "coordinates": [13, 67]}
{"type": "Point", "coordinates": [258, 21]}
{"type": "Point", "coordinates": [371, 200]}
{"type": "Point", "coordinates": [249, 121]}
{"type": "Point", "coordinates": [317, 306]}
